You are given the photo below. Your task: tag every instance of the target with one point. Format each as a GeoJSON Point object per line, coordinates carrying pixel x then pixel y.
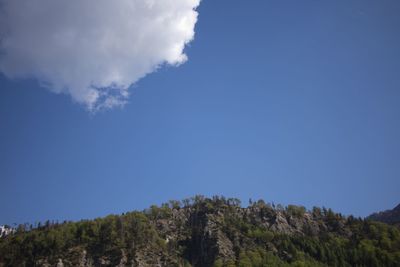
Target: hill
{"type": "Point", "coordinates": [389, 216]}
{"type": "Point", "coordinates": [207, 232]}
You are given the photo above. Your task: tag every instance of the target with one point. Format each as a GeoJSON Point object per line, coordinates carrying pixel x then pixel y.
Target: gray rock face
{"type": "Point", "coordinates": [6, 230]}
{"type": "Point", "coordinates": [200, 234]}
{"type": "Point", "coordinates": [60, 263]}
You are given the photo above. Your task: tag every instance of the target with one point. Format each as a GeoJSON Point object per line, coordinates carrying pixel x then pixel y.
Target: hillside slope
{"type": "Point", "coordinates": [389, 216]}
{"type": "Point", "coordinates": [208, 232]}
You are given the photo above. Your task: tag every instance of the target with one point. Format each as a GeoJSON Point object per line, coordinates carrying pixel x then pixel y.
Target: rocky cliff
{"type": "Point", "coordinates": [208, 232]}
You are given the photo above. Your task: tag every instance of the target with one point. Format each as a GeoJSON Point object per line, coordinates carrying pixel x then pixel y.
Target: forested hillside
{"type": "Point", "coordinates": [388, 216]}
{"type": "Point", "coordinates": [208, 232]}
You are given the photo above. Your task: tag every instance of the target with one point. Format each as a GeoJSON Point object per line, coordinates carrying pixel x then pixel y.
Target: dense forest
{"type": "Point", "coordinates": [204, 231]}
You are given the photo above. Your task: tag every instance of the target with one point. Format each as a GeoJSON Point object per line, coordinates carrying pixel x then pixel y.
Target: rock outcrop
{"type": "Point", "coordinates": [203, 233]}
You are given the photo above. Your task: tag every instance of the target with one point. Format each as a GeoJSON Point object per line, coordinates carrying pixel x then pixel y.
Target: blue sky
{"type": "Point", "coordinates": [289, 101]}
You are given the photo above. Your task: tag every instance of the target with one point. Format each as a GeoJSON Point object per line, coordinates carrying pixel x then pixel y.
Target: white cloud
{"type": "Point", "coordinates": [93, 49]}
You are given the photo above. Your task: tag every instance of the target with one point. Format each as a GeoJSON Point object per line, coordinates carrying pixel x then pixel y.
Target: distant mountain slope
{"type": "Point", "coordinates": [204, 232]}
{"type": "Point", "coordinates": [388, 216]}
